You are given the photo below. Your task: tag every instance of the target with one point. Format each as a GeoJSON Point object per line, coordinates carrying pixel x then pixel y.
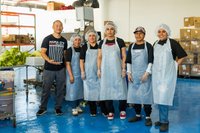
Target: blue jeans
{"type": "Point", "coordinates": [163, 113]}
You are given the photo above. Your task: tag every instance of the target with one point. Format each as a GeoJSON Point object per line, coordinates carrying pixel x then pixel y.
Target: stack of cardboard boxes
{"type": "Point", "coordinates": [190, 41]}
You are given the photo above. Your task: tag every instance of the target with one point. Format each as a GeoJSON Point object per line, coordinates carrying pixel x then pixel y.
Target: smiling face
{"type": "Point", "coordinates": [92, 38]}
{"type": "Point", "coordinates": [162, 34]}
{"type": "Point", "coordinates": [77, 42]}
{"type": "Point", "coordinates": [57, 27]}
{"type": "Point", "coordinates": [139, 36]}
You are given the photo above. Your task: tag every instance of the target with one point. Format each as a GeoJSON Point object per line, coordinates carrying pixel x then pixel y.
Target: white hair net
{"type": "Point", "coordinates": [91, 32]}
{"type": "Point", "coordinates": [110, 24]}
{"type": "Point", "coordinates": [164, 27]}
{"type": "Point", "coordinates": [75, 36]}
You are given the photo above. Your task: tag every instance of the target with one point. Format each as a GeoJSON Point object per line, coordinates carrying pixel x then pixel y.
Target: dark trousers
{"type": "Point", "coordinates": [48, 79]}
{"type": "Point", "coordinates": [110, 107]}
{"type": "Point", "coordinates": [93, 107]}
{"type": "Point", "coordinates": [147, 109]}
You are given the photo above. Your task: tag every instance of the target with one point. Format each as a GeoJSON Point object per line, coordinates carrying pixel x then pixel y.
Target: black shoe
{"type": "Point", "coordinates": [58, 112]}
{"type": "Point", "coordinates": [148, 122]}
{"type": "Point", "coordinates": [157, 123]}
{"type": "Point", "coordinates": [164, 127]}
{"type": "Point", "coordinates": [134, 119]}
{"type": "Point", "coordinates": [93, 115]}
{"type": "Point", "coordinates": [41, 112]}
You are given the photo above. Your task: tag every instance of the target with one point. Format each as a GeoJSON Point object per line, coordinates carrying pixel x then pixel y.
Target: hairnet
{"type": "Point", "coordinates": [164, 27]}
{"type": "Point", "coordinates": [91, 32]}
{"type": "Point", "coordinates": [110, 24]}
{"type": "Point", "coordinates": [75, 36]}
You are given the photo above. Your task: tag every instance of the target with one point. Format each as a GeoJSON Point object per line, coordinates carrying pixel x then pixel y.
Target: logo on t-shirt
{"type": "Point", "coordinates": [56, 50]}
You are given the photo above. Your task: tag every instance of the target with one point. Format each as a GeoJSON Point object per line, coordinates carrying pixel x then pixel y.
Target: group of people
{"type": "Point", "coordinates": [97, 71]}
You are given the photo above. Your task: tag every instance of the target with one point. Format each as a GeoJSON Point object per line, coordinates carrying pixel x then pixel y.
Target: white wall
{"type": "Point", "coordinates": [128, 14]}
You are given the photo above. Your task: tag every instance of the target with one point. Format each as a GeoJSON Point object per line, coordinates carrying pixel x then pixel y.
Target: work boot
{"type": "Point", "coordinates": [148, 122]}
{"type": "Point", "coordinates": [134, 119]}
{"type": "Point", "coordinates": [164, 127]}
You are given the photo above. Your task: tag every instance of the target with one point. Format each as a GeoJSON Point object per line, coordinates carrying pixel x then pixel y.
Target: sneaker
{"type": "Point", "coordinates": [41, 112]}
{"type": "Point", "coordinates": [110, 116]}
{"type": "Point", "coordinates": [93, 115]}
{"type": "Point", "coordinates": [157, 123]}
{"type": "Point", "coordinates": [74, 112]}
{"type": "Point", "coordinates": [148, 122]}
{"type": "Point", "coordinates": [79, 109]}
{"type": "Point", "coordinates": [122, 115]}
{"type": "Point", "coordinates": [105, 115]}
{"type": "Point", "coordinates": [58, 112]}
{"type": "Point", "coordinates": [134, 119]}
{"type": "Point", "coordinates": [164, 127]}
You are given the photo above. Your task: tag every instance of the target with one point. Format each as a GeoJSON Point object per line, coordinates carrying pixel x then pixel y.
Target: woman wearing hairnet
{"type": "Point", "coordinates": [111, 70]}
{"type": "Point", "coordinates": [74, 86]}
{"type": "Point", "coordinates": [139, 63]}
{"type": "Point", "coordinates": [88, 65]}
{"type": "Point", "coordinates": [164, 73]}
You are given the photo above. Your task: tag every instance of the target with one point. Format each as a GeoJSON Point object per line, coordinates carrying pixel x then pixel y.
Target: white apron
{"type": "Point", "coordinates": [139, 93]}
{"type": "Point", "coordinates": [74, 91]}
{"type": "Point", "coordinates": [113, 86]}
{"type": "Point", "coordinates": [164, 74]}
{"type": "Point", "coordinates": [91, 83]}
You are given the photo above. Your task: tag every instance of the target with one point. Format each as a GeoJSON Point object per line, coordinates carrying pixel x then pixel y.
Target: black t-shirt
{"type": "Point", "coordinates": [84, 50]}
{"type": "Point", "coordinates": [55, 51]}
{"type": "Point", "coordinates": [120, 42]}
{"type": "Point", "coordinates": [177, 50]}
{"type": "Point", "coordinates": [141, 46]}
{"type": "Point", "coordinates": [69, 53]}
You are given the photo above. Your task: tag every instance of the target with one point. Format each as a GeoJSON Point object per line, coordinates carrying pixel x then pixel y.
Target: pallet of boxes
{"type": "Point", "coordinates": [190, 41]}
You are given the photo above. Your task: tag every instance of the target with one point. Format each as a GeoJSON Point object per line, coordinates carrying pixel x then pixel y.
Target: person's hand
{"type": "Point", "coordinates": [144, 77]}
{"type": "Point", "coordinates": [99, 73]}
{"type": "Point", "coordinates": [71, 79]}
{"type": "Point", "coordinates": [83, 75]}
{"type": "Point", "coordinates": [123, 73]}
{"type": "Point", "coordinates": [130, 78]}
{"type": "Point", "coordinates": [54, 62]}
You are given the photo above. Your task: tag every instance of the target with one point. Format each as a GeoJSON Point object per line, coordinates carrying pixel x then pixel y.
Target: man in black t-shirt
{"type": "Point", "coordinates": [53, 50]}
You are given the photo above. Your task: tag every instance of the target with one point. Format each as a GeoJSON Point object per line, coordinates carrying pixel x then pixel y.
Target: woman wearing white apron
{"type": "Point", "coordinates": [164, 73]}
{"type": "Point", "coordinates": [111, 71]}
{"type": "Point", "coordinates": [74, 85]}
{"type": "Point", "coordinates": [139, 62]}
{"type": "Point", "coordinates": [88, 65]}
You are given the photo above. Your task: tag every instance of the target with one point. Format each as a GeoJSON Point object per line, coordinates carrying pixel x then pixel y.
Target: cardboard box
{"type": "Point", "coordinates": [51, 5]}
{"type": "Point", "coordinates": [198, 58]}
{"type": "Point", "coordinates": [186, 22]}
{"type": "Point", "coordinates": [195, 46]}
{"type": "Point", "coordinates": [195, 70]}
{"type": "Point", "coordinates": [189, 59]}
{"type": "Point", "coordinates": [185, 45]}
{"type": "Point", "coordinates": [197, 24]}
{"type": "Point", "coordinates": [185, 34]}
{"type": "Point", "coordinates": [184, 70]}
{"type": "Point", "coordinates": [34, 61]}
{"type": "Point", "coordinates": [195, 34]}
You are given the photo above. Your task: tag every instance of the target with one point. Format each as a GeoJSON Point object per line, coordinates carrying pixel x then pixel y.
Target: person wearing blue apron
{"type": "Point", "coordinates": [112, 72]}
{"type": "Point", "coordinates": [74, 83]}
{"type": "Point", "coordinates": [88, 65]}
{"type": "Point", "coordinates": [164, 73]}
{"type": "Point", "coordinates": [139, 63]}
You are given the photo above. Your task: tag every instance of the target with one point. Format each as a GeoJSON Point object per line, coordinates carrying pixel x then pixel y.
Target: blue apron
{"type": "Point", "coordinates": [164, 74]}
{"type": "Point", "coordinates": [113, 86]}
{"type": "Point", "coordinates": [91, 83]}
{"type": "Point", "coordinates": [138, 92]}
{"type": "Point", "coordinates": [74, 91]}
